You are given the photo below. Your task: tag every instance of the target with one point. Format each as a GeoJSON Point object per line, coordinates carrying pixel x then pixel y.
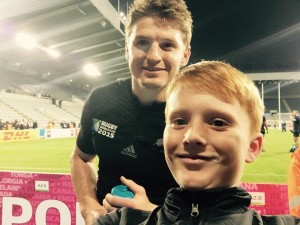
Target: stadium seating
{"type": "Point", "coordinates": [18, 106]}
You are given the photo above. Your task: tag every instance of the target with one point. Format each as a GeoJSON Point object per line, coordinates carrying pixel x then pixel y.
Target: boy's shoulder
{"type": "Point", "coordinates": [123, 215]}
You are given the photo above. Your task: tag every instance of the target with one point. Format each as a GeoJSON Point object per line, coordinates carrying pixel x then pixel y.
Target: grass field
{"type": "Point", "coordinates": [52, 156]}
{"type": "Point", "coordinates": [44, 155]}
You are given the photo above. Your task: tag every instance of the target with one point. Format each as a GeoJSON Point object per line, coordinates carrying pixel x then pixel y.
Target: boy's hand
{"type": "Point", "coordinates": [139, 201]}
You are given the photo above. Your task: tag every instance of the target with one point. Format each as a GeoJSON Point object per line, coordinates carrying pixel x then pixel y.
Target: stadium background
{"type": "Point", "coordinates": [259, 37]}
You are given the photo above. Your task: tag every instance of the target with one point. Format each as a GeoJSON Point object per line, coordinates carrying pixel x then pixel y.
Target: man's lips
{"type": "Point", "coordinates": [152, 69]}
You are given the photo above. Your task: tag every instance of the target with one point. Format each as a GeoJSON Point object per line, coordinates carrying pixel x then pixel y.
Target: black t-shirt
{"type": "Point", "coordinates": [296, 124]}
{"type": "Point", "coordinates": [127, 137]}
{"type": "Point", "coordinates": [263, 125]}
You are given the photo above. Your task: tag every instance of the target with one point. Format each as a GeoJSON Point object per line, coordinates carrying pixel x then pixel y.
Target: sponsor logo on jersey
{"type": "Point", "coordinates": [159, 142]}
{"type": "Point", "coordinates": [129, 151]}
{"type": "Point", "coordinates": [104, 128]}
{"type": "Point", "coordinates": [158, 145]}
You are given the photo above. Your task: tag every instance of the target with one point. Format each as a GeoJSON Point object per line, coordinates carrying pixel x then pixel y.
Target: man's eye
{"type": "Point", "coordinates": [142, 42]}
{"type": "Point", "coordinates": [179, 121]}
{"type": "Point", "coordinates": [167, 46]}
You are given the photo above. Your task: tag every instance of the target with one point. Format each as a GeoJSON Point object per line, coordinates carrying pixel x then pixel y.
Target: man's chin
{"type": "Point", "coordinates": [152, 84]}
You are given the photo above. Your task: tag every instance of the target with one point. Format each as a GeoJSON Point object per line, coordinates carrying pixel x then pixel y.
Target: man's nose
{"type": "Point", "coordinates": [154, 53]}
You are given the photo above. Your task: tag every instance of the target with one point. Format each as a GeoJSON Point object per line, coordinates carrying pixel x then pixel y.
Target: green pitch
{"type": "Point", "coordinates": [272, 165]}
{"type": "Point", "coordinates": [44, 155]}
{"type": "Point", "coordinates": [52, 156]}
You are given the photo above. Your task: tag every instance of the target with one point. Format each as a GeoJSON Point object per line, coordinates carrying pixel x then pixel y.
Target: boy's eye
{"type": "Point", "coordinates": [219, 123]}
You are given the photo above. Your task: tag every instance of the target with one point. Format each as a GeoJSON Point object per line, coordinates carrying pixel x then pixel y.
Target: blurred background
{"type": "Point", "coordinates": [61, 50]}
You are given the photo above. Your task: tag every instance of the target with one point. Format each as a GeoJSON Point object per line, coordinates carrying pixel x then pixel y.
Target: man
{"type": "Point", "coordinates": [264, 128]}
{"type": "Point", "coordinates": [123, 123]}
{"type": "Point", "coordinates": [294, 116]}
{"type": "Point", "coordinates": [211, 132]}
{"type": "Point", "coordinates": [283, 126]}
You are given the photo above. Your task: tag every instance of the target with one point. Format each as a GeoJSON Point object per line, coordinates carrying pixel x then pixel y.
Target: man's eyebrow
{"type": "Point", "coordinates": [142, 36]}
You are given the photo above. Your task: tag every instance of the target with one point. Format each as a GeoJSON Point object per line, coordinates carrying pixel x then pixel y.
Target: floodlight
{"type": "Point", "coordinates": [26, 41]}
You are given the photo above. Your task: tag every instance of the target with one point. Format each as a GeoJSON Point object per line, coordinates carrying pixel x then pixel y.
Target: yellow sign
{"type": "Point", "coordinates": [19, 135]}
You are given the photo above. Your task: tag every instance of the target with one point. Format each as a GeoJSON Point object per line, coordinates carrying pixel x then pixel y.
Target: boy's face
{"type": "Point", "coordinates": [207, 141]}
{"type": "Point", "coordinates": [155, 51]}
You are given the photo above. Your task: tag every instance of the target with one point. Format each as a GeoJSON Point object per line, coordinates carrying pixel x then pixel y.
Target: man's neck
{"type": "Point", "coordinates": [148, 96]}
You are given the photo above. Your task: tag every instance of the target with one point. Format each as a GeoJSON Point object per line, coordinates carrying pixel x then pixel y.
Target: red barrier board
{"type": "Point", "coordinates": [268, 199]}
{"type": "Point", "coordinates": [37, 199]}
{"type": "Point", "coordinates": [49, 199]}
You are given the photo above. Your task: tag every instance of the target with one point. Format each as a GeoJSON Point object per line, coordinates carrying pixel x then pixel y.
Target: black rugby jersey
{"type": "Point", "coordinates": [127, 137]}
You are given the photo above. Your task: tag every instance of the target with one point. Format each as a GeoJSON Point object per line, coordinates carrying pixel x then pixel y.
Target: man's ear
{"type": "Point", "coordinates": [255, 148]}
{"type": "Point", "coordinates": [186, 57]}
{"type": "Point", "coordinates": [126, 52]}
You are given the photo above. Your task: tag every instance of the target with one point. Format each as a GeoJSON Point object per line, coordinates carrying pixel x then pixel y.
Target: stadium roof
{"type": "Point", "coordinates": [254, 35]}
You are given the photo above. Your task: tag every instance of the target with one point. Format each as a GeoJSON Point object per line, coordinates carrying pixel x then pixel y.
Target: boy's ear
{"type": "Point", "coordinates": [255, 148]}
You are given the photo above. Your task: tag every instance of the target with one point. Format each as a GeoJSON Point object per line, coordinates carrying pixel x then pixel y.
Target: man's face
{"type": "Point", "coordinates": [207, 141]}
{"type": "Point", "coordinates": [155, 52]}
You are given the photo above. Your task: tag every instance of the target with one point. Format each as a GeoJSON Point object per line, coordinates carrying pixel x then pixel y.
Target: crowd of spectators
{"type": "Point", "coordinates": [63, 124]}
{"type": "Point", "coordinates": [26, 123]}
{"type": "Point", "coordinates": [18, 124]}
{"type": "Point", "coordinates": [33, 124]}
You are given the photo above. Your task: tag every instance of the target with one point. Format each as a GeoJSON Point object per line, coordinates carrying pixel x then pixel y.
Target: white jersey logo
{"type": "Point", "coordinates": [129, 151]}
{"type": "Point", "coordinates": [104, 128]}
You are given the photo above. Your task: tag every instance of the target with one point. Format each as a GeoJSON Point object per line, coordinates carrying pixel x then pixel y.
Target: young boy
{"type": "Point", "coordinates": [213, 120]}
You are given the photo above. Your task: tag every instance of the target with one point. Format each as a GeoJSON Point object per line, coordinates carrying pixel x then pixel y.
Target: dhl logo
{"type": "Point", "coordinates": [15, 135]}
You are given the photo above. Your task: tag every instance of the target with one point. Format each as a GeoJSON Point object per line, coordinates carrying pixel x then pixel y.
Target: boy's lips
{"type": "Point", "coordinates": [195, 162]}
{"type": "Point", "coordinates": [193, 157]}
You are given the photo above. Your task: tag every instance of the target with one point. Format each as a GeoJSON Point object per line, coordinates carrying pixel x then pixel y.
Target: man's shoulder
{"type": "Point", "coordinates": [113, 91]}
{"type": "Point", "coordinates": [123, 84]}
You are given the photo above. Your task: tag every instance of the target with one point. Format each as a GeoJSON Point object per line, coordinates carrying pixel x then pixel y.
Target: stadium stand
{"type": "Point", "coordinates": [32, 108]}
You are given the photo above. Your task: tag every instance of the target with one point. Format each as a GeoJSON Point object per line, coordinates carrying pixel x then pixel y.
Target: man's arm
{"type": "Point", "coordinates": [292, 117]}
{"type": "Point", "coordinates": [84, 180]}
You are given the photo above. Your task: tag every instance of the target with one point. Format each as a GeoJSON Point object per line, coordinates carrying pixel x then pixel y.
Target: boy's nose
{"type": "Point", "coordinates": [195, 136]}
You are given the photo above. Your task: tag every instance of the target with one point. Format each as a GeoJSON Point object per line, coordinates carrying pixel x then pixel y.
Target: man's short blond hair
{"type": "Point", "coordinates": [175, 11]}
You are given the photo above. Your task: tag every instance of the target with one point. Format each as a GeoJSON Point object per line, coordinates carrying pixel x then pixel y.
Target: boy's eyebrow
{"type": "Point", "coordinates": [176, 111]}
